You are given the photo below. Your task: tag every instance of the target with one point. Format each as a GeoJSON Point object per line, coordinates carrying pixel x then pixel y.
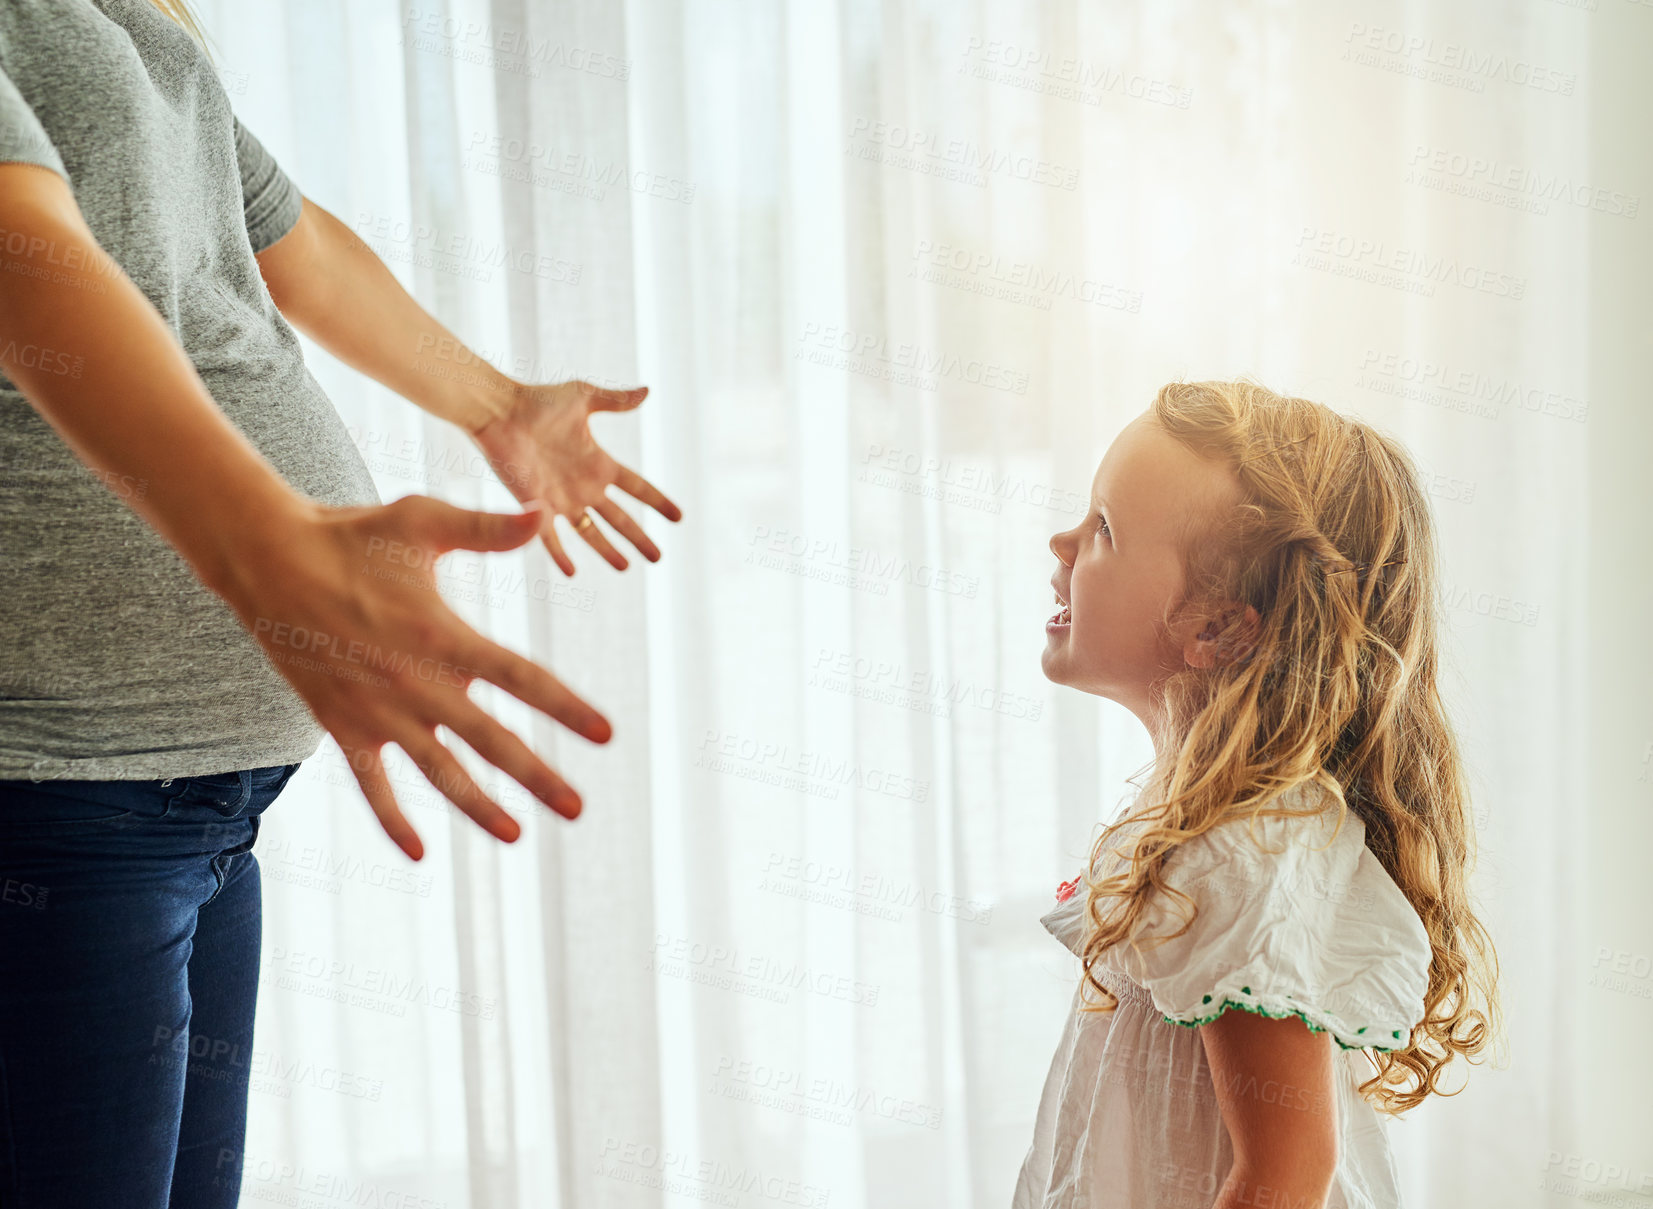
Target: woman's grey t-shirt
{"type": "Point", "coordinates": [115, 662]}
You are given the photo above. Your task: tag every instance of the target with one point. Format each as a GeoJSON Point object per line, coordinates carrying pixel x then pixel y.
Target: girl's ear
{"type": "Point", "coordinates": [1228, 637]}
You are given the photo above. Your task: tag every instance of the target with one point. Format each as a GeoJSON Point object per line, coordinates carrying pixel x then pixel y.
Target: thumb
{"type": "Point", "coordinates": [450, 528]}
{"type": "Point", "coordinates": [603, 399]}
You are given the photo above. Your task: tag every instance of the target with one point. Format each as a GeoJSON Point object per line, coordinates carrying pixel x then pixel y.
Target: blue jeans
{"type": "Point", "coordinates": [130, 927]}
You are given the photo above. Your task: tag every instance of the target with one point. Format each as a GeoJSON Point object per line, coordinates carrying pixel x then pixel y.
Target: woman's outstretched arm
{"type": "Point", "coordinates": [332, 287]}
{"type": "Point", "coordinates": [382, 659]}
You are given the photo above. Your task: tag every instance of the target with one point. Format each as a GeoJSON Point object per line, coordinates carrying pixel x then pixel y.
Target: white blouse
{"type": "Point", "coordinates": [1300, 920]}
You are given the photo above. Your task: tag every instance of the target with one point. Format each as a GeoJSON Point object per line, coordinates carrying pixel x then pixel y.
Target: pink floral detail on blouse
{"type": "Point", "coordinates": [1066, 889]}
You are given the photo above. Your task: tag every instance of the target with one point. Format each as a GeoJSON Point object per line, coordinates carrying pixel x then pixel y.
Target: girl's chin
{"type": "Point", "coordinates": [1051, 660]}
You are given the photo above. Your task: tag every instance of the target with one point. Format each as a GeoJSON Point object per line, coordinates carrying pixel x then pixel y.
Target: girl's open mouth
{"type": "Point", "coordinates": [1063, 616]}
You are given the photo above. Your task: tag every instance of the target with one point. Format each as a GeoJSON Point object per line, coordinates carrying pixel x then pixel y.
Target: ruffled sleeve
{"type": "Point", "coordinates": [1296, 918]}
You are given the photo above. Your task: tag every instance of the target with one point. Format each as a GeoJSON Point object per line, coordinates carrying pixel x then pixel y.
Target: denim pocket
{"type": "Point", "coordinates": [226, 793]}
{"type": "Point", "coordinates": [230, 793]}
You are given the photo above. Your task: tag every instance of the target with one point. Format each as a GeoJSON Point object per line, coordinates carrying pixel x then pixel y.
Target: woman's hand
{"type": "Point", "coordinates": [344, 602]}
{"type": "Point", "coordinates": [542, 449]}
{"type": "Point", "coordinates": [332, 286]}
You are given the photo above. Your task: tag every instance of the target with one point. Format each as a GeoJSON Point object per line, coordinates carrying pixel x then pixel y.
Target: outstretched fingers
{"type": "Point", "coordinates": [370, 775]}
{"type": "Point", "coordinates": [446, 526]}
{"type": "Point", "coordinates": [599, 542]}
{"type": "Point", "coordinates": [600, 398]}
{"type": "Point", "coordinates": [639, 488]}
{"type": "Point", "coordinates": [504, 750]}
{"type": "Point", "coordinates": [553, 544]}
{"type": "Point", "coordinates": [620, 521]}
{"type": "Point", "coordinates": [451, 780]}
{"type": "Point", "coordinates": [531, 684]}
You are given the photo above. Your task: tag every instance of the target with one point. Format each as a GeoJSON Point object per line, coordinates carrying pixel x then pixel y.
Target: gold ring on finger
{"type": "Point", "coordinates": [585, 519]}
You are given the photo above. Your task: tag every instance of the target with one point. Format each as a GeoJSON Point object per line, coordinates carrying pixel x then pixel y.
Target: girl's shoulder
{"type": "Point", "coordinates": [1317, 846]}
{"type": "Point", "coordinates": [1281, 915]}
{"type": "Point", "coordinates": [1318, 849]}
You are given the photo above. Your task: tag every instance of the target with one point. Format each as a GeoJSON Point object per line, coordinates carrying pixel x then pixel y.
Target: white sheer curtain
{"type": "Point", "coordinates": [896, 275]}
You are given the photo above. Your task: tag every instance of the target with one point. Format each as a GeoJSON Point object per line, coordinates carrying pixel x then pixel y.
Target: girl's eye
{"type": "Point", "coordinates": [1102, 524]}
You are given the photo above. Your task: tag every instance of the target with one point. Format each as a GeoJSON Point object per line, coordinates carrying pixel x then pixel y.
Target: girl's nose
{"type": "Point", "coordinates": [1056, 548]}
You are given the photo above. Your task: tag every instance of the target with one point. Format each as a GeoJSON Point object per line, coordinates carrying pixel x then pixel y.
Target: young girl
{"type": "Point", "coordinates": [1282, 910]}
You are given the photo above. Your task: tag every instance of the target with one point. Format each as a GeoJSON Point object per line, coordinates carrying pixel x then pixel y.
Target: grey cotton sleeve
{"type": "Point", "coordinates": [271, 201]}
{"type": "Point", "coordinates": [22, 138]}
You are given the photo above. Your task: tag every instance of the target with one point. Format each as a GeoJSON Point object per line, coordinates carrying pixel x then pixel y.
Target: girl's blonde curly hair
{"type": "Point", "coordinates": [1333, 545]}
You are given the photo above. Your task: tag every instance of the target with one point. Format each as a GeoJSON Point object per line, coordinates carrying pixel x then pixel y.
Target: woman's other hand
{"type": "Point", "coordinates": [331, 285]}
{"type": "Point", "coordinates": [542, 449]}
